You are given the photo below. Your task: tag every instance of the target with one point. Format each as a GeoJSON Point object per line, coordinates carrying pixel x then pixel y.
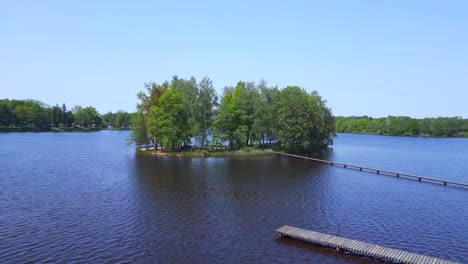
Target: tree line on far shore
{"type": "Point", "coordinates": [403, 126]}
{"type": "Point", "coordinates": [36, 115]}
{"type": "Point", "coordinates": [182, 112]}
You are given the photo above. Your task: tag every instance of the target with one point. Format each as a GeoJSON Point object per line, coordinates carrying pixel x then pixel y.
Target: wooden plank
{"type": "Point", "coordinates": [379, 252]}
{"type": "Point", "coordinates": [312, 237]}
{"type": "Point", "coordinates": [349, 245]}
{"type": "Point", "coordinates": [407, 257]}
{"type": "Point", "coordinates": [332, 241]}
{"type": "Point", "coordinates": [363, 248]}
{"type": "Point", "coordinates": [413, 258]}
{"type": "Point", "coordinates": [400, 254]}
{"type": "Point", "coordinates": [346, 245]}
{"type": "Point", "coordinates": [341, 242]}
{"type": "Point", "coordinates": [392, 254]}
{"type": "Point", "coordinates": [328, 239]}
{"type": "Point", "coordinates": [338, 241]}
{"type": "Point", "coordinates": [354, 244]}
{"type": "Point", "coordinates": [369, 248]}
{"type": "Point", "coordinates": [419, 259]}
{"type": "Point", "coordinates": [358, 247]}
{"type": "Point", "coordinates": [403, 257]}
{"type": "Point", "coordinates": [366, 248]}
{"type": "Point", "coordinates": [374, 249]}
{"type": "Point", "coordinates": [426, 259]}
{"type": "Point", "coordinates": [319, 236]}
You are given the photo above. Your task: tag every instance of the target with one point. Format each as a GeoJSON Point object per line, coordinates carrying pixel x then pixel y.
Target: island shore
{"type": "Point", "coordinates": [206, 153]}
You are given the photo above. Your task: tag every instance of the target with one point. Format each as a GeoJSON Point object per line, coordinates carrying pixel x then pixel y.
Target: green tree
{"type": "Point", "coordinates": [304, 122]}
{"type": "Point", "coordinates": [248, 99]}
{"type": "Point", "coordinates": [6, 114]}
{"type": "Point", "coordinates": [170, 120]}
{"type": "Point", "coordinates": [139, 133]}
{"type": "Point", "coordinates": [227, 123]}
{"type": "Point", "coordinates": [207, 100]}
{"type": "Point", "coordinates": [188, 92]}
{"type": "Point", "coordinates": [79, 115]}
{"type": "Point", "coordinates": [56, 115]}
{"type": "Point", "coordinates": [31, 114]}
{"type": "Point", "coordinates": [91, 117]}
{"type": "Point", "coordinates": [264, 120]}
{"type": "Point", "coordinates": [108, 119]}
{"type": "Point", "coordinates": [147, 101]}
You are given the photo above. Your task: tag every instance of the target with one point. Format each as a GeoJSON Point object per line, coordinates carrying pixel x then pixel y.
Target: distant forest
{"type": "Point", "coordinates": [35, 115]}
{"type": "Point", "coordinates": [403, 126]}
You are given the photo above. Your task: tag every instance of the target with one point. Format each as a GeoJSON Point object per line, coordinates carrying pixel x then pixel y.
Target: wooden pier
{"type": "Point", "coordinates": [358, 247]}
{"type": "Point", "coordinates": [378, 171]}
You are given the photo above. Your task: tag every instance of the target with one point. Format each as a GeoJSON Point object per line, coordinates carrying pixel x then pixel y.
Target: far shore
{"type": "Point", "coordinates": [411, 136]}
{"type": "Point", "coordinates": [18, 129]}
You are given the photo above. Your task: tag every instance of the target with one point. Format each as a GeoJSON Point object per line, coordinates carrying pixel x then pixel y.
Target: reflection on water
{"type": "Point", "coordinates": [89, 197]}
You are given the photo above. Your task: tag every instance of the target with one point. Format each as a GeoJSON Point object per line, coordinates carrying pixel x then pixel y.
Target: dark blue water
{"type": "Point", "coordinates": [86, 197]}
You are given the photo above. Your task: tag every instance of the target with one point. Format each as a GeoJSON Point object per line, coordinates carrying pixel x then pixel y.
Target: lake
{"type": "Point", "coordinates": [87, 197]}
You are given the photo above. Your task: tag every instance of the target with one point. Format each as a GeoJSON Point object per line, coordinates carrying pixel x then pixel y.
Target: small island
{"type": "Point", "coordinates": [183, 118]}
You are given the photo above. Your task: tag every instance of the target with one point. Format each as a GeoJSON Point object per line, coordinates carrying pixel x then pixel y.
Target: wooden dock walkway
{"type": "Point", "coordinates": [358, 247]}
{"type": "Point", "coordinates": [378, 171]}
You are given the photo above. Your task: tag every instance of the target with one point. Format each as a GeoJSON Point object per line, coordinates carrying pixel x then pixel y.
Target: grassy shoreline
{"type": "Point", "coordinates": [207, 153]}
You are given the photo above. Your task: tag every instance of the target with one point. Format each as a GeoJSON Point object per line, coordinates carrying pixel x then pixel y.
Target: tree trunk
{"type": "Point", "coordinates": [203, 140]}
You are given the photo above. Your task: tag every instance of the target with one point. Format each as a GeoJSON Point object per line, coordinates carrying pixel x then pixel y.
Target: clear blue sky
{"type": "Point", "coordinates": [376, 58]}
